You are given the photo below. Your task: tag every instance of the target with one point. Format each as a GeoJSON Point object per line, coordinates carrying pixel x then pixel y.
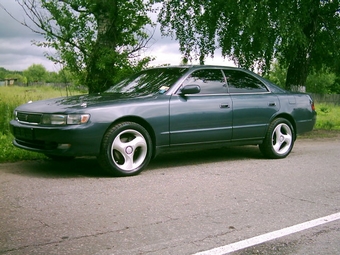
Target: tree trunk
{"type": "Point", "coordinates": [298, 68]}
{"type": "Point", "coordinates": [298, 71]}
{"type": "Point", "coordinates": [100, 65]}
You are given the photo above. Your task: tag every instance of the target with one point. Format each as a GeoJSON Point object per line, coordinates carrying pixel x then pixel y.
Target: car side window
{"type": "Point", "coordinates": [211, 81]}
{"type": "Point", "coordinates": [241, 82]}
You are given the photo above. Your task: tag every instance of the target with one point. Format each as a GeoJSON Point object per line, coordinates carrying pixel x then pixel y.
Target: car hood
{"type": "Point", "coordinates": [64, 104]}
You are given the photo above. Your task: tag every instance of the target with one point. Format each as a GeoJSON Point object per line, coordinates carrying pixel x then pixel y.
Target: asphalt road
{"type": "Point", "coordinates": [184, 203]}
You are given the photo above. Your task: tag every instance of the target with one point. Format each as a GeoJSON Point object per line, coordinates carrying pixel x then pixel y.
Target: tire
{"type": "Point", "coordinates": [279, 139]}
{"type": "Point", "coordinates": [125, 150]}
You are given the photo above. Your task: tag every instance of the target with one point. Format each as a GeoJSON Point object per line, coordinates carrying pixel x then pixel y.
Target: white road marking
{"type": "Point", "coordinates": [270, 236]}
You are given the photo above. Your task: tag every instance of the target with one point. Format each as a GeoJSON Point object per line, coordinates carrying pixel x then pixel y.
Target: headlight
{"type": "Point", "coordinates": [73, 119]}
{"type": "Point", "coordinates": [64, 119]}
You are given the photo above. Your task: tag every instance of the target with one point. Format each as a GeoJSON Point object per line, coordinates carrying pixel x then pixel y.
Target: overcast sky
{"type": "Point", "coordinates": [17, 52]}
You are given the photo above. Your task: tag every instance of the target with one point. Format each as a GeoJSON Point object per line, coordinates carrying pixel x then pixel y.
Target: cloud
{"type": "Point", "coordinates": [18, 53]}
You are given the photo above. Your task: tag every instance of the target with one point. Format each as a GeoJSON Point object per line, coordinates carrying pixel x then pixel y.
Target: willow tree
{"type": "Point", "coordinates": [98, 41]}
{"type": "Point", "coordinates": [301, 35]}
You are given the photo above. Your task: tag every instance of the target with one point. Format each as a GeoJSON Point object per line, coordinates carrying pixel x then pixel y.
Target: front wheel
{"type": "Point", "coordinates": [279, 140]}
{"type": "Point", "coordinates": [125, 149]}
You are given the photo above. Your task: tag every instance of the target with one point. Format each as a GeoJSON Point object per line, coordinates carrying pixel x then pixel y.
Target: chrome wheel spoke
{"type": "Point", "coordinates": [118, 145]}
{"type": "Point", "coordinates": [277, 146]}
{"type": "Point", "coordinates": [128, 162]}
{"type": "Point", "coordinates": [288, 138]}
{"type": "Point", "coordinates": [282, 138]}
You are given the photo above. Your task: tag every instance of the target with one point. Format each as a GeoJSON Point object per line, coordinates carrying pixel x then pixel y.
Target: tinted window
{"type": "Point", "coordinates": [211, 81]}
{"type": "Point", "coordinates": [148, 82]}
{"type": "Point", "coordinates": [241, 82]}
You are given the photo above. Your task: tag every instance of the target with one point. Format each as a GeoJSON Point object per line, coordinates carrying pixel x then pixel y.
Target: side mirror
{"type": "Point", "coordinates": [190, 89]}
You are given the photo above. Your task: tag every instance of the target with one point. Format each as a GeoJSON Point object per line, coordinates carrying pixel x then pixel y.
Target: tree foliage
{"type": "Point", "coordinates": [277, 75]}
{"type": "Point", "coordinates": [322, 82]}
{"type": "Point", "coordinates": [301, 35]}
{"type": "Point", "coordinates": [36, 73]}
{"type": "Point", "coordinates": [98, 41]}
{"type": "Point", "coordinates": [6, 74]}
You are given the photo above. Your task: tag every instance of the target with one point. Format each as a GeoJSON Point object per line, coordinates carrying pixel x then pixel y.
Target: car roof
{"type": "Point", "coordinates": [197, 66]}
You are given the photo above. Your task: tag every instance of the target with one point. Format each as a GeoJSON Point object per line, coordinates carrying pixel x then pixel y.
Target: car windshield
{"type": "Point", "coordinates": [148, 82]}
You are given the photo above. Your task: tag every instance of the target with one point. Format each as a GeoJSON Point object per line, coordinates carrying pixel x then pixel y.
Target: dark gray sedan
{"type": "Point", "coordinates": [166, 108]}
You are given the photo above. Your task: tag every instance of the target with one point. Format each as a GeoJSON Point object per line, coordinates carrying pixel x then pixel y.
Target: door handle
{"type": "Point", "coordinates": [224, 106]}
{"type": "Point", "coordinates": [272, 104]}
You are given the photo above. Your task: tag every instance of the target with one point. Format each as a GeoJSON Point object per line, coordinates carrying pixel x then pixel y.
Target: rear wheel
{"type": "Point", "coordinates": [125, 150]}
{"type": "Point", "coordinates": [279, 140]}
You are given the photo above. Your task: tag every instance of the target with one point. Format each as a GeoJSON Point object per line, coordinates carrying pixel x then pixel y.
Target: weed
{"type": "Point", "coordinates": [324, 109]}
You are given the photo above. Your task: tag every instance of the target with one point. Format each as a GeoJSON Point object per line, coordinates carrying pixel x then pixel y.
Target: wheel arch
{"type": "Point", "coordinates": [290, 119]}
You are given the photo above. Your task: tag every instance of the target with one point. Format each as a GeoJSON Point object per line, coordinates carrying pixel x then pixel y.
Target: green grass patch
{"type": "Point", "coordinates": [10, 153]}
{"type": "Point", "coordinates": [328, 117]}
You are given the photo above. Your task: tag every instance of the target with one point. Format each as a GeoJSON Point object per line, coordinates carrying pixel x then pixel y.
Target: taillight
{"type": "Point", "coordinates": [311, 101]}
{"type": "Point", "coordinates": [313, 106]}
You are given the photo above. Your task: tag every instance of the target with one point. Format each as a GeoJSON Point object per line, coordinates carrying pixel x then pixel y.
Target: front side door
{"type": "Point", "coordinates": [203, 117]}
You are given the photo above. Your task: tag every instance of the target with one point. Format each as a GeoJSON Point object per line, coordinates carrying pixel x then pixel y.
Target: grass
{"type": "Point", "coordinates": [320, 134]}
{"type": "Point", "coordinates": [328, 117]}
{"type": "Point", "coordinates": [327, 124]}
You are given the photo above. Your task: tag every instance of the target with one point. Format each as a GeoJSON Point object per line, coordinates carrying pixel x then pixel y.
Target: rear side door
{"type": "Point", "coordinates": [203, 117]}
{"type": "Point", "coordinates": [253, 105]}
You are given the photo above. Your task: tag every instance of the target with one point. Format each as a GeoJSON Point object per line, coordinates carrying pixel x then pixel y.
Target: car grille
{"type": "Point", "coordinates": [32, 118]}
{"type": "Point", "coordinates": [37, 144]}
{"type": "Point", "coordinates": [25, 133]}
{"type": "Point", "coordinates": [26, 137]}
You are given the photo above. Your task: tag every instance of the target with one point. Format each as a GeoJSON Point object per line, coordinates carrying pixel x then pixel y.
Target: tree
{"type": "Point", "coordinates": [35, 73]}
{"type": "Point", "coordinates": [6, 74]}
{"type": "Point", "coordinates": [299, 34]}
{"type": "Point", "coordinates": [98, 40]}
{"type": "Point", "coordinates": [277, 75]}
{"type": "Point", "coordinates": [321, 82]}
{"type": "Point", "coordinates": [3, 72]}
{"type": "Point", "coordinates": [62, 76]}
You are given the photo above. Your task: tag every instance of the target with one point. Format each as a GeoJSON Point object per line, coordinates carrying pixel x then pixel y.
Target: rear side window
{"type": "Point", "coordinates": [211, 81]}
{"type": "Point", "coordinates": [241, 82]}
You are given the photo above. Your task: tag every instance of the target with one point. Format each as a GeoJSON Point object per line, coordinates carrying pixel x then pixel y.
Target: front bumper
{"type": "Point", "coordinates": [70, 140]}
